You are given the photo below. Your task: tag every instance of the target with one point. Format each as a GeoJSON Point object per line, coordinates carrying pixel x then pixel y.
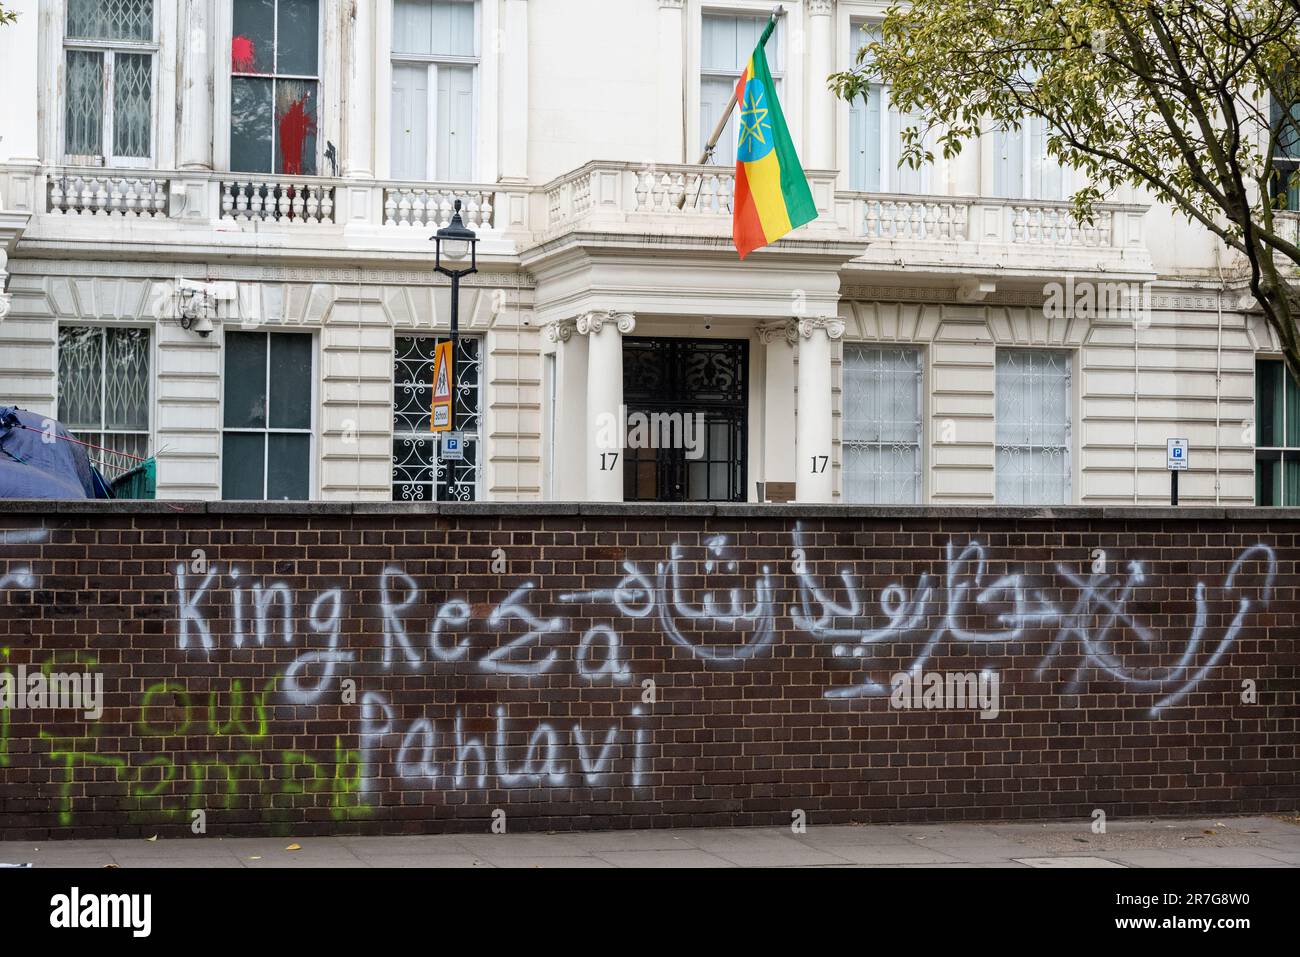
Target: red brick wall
{"type": "Point", "coordinates": [384, 668]}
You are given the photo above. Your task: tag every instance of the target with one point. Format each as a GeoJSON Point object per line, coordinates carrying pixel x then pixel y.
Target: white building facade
{"type": "Point", "coordinates": [214, 242]}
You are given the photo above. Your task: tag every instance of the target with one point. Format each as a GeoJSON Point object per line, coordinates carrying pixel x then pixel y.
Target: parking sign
{"type": "Point", "coordinates": [453, 447]}
{"type": "Point", "coordinates": [1177, 457]}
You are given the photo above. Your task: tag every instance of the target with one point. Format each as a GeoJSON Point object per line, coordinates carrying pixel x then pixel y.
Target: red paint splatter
{"type": "Point", "coordinates": [296, 125]}
{"type": "Point", "coordinates": [242, 55]}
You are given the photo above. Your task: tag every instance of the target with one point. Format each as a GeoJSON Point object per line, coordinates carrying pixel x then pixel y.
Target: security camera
{"type": "Point", "coordinates": [203, 326]}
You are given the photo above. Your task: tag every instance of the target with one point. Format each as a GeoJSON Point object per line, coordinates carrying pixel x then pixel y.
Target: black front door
{"type": "Point", "coordinates": [687, 413]}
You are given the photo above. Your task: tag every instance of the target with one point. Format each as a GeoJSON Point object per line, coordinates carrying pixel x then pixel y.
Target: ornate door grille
{"type": "Point", "coordinates": [695, 389]}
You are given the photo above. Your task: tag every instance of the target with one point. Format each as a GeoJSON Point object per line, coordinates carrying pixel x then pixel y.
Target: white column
{"type": "Point", "coordinates": [359, 147]}
{"type": "Point", "coordinates": [603, 450]}
{"type": "Point", "coordinates": [6, 299]}
{"type": "Point", "coordinates": [813, 436]}
{"type": "Point", "coordinates": [570, 440]}
{"type": "Point", "coordinates": [514, 92]}
{"type": "Point", "coordinates": [778, 339]}
{"type": "Point", "coordinates": [20, 80]}
{"type": "Point", "coordinates": [670, 78]}
{"type": "Point", "coordinates": [196, 89]}
{"type": "Point", "coordinates": [821, 103]}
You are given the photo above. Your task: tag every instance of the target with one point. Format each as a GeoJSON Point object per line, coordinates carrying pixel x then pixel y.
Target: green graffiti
{"type": "Point", "coordinates": [57, 657]}
{"type": "Point", "coordinates": [149, 730]}
{"type": "Point", "coordinates": [300, 784]}
{"type": "Point", "coordinates": [77, 752]}
{"type": "Point", "coordinates": [251, 726]}
{"type": "Point", "coordinates": [232, 770]}
{"type": "Point", "coordinates": [347, 800]}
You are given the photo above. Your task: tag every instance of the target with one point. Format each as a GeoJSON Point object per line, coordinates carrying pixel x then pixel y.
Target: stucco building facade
{"type": "Point", "coordinates": [214, 242]}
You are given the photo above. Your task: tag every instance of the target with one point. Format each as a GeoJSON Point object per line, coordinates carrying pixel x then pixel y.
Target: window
{"type": "Point", "coordinates": [876, 136]}
{"type": "Point", "coordinates": [1286, 156]}
{"type": "Point", "coordinates": [726, 44]}
{"type": "Point", "coordinates": [1022, 167]}
{"type": "Point", "coordinates": [266, 445]}
{"type": "Point", "coordinates": [419, 473]}
{"type": "Point", "coordinates": [1277, 435]}
{"type": "Point", "coordinates": [435, 50]}
{"type": "Point", "coordinates": [275, 86]}
{"type": "Point", "coordinates": [882, 425]}
{"type": "Point", "coordinates": [1033, 427]}
{"type": "Point", "coordinates": [104, 393]}
{"type": "Point", "coordinates": [109, 51]}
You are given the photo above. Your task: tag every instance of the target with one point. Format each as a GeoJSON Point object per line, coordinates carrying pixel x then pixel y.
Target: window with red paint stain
{"type": "Point", "coordinates": [275, 86]}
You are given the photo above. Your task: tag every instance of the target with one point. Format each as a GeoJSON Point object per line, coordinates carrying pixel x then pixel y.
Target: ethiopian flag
{"type": "Point", "coordinates": [772, 195]}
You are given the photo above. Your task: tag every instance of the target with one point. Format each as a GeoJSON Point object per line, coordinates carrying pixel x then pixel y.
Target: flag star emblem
{"type": "Point", "coordinates": [755, 139]}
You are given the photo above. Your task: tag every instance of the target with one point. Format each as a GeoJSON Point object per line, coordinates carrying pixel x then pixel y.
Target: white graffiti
{"type": "Point", "coordinates": [21, 577]}
{"type": "Point", "coordinates": [725, 627]}
{"type": "Point", "coordinates": [1074, 624]}
{"type": "Point", "coordinates": [934, 609]}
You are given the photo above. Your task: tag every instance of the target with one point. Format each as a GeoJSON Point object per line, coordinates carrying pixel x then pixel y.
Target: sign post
{"type": "Point", "coordinates": [440, 416]}
{"type": "Point", "coordinates": [1176, 460]}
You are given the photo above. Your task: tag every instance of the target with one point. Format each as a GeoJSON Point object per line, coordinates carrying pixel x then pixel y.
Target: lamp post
{"type": "Point", "coordinates": [453, 245]}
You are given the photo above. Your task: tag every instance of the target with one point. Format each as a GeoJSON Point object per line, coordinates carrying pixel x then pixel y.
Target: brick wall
{"type": "Point", "coordinates": [315, 668]}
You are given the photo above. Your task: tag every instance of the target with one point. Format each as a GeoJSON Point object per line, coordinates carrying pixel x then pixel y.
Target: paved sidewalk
{"type": "Point", "coordinates": [1225, 842]}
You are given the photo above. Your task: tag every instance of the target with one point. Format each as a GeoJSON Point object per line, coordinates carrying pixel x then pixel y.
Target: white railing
{"type": "Point", "coordinates": [431, 207]}
{"type": "Point", "coordinates": [707, 190]}
{"type": "Point", "coordinates": [916, 218]}
{"type": "Point", "coordinates": [1050, 224]}
{"type": "Point", "coordinates": [79, 193]}
{"type": "Point", "coordinates": [679, 197]}
{"type": "Point", "coordinates": [605, 196]}
{"type": "Point", "coordinates": [1287, 225]}
{"type": "Point", "coordinates": [283, 201]}
{"type": "Point", "coordinates": [1054, 224]}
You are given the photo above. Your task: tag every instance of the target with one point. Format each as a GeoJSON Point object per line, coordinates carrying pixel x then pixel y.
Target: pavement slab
{"type": "Point", "coordinates": [1200, 842]}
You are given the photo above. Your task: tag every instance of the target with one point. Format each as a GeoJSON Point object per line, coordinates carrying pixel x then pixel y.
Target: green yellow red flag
{"type": "Point", "coordinates": [772, 195]}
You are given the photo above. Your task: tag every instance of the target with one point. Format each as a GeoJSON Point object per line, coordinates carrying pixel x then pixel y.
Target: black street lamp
{"type": "Point", "coordinates": [454, 244]}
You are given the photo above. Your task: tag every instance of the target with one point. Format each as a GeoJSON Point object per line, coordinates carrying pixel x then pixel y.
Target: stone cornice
{"type": "Point", "coordinates": [512, 278]}
{"type": "Point", "coordinates": [779, 512]}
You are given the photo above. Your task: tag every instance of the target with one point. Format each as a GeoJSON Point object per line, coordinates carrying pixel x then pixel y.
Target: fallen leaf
{"type": "Point", "coordinates": [153, 839]}
{"type": "Point", "coordinates": [1211, 833]}
{"type": "Point", "coordinates": [294, 847]}
{"type": "Point", "coordinates": [107, 866]}
{"type": "Point", "coordinates": [256, 857]}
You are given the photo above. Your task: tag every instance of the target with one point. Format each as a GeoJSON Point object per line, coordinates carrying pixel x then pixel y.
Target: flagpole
{"type": "Point", "coordinates": [722, 120]}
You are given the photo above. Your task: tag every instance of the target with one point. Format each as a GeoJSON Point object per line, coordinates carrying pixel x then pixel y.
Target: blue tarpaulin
{"type": "Point", "coordinates": [37, 460]}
